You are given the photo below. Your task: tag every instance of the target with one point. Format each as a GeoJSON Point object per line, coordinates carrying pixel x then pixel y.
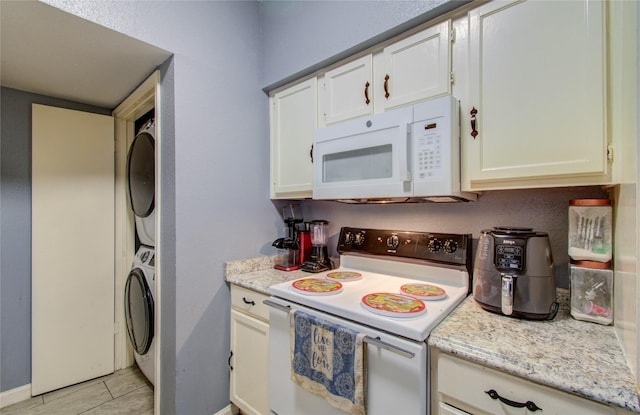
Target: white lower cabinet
{"type": "Point", "coordinates": [460, 387]}
{"type": "Point", "coordinates": [249, 358]}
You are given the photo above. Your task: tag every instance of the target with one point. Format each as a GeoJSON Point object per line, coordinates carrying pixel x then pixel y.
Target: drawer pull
{"type": "Point", "coordinates": [529, 405]}
{"type": "Point", "coordinates": [248, 301]}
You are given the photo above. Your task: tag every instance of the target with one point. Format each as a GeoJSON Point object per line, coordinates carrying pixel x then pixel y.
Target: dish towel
{"type": "Point", "coordinates": [328, 360]}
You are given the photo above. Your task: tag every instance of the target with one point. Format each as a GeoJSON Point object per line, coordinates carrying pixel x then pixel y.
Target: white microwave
{"type": "Point", "coordinates": [410, 154]}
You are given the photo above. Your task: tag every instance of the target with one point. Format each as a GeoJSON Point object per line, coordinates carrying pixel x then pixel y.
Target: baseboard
{"type": "Point", "coordinates": [15, 395]}
{"type": "Point", "coordinates": [227, 410]}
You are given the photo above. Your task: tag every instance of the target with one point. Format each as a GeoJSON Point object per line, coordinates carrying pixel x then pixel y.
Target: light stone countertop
{"type": "Point", "coordinates": [573, 356]}
{"type": "Point", "coordinates": [258, 274]}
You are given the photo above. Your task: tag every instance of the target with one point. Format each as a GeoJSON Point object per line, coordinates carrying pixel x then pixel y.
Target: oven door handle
{"type": "Point", "coordinates": [387, 346]}
{"type": "Point", "coordinates": [273, 304]}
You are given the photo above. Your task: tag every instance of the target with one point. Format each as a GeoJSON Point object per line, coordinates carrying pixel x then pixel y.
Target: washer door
{"type": "Point", "coordinates": [141, 174]}
{"type": "Point", "coordinates": [138, 310]}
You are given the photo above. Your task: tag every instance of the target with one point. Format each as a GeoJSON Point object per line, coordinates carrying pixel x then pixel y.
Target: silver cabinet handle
{"type": "Point", "coordinates": [389, 347]}
{"type": "Point", "coordinates": [276, 305]}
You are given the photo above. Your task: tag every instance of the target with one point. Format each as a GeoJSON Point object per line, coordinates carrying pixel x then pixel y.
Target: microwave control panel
{"type": "Point", "coordinates": [428, 154]}
{"type": "Point", "coordinates": [435, 145]}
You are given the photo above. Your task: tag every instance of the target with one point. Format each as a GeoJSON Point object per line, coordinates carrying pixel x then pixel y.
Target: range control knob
{"type": "Point", "coordinates": [358, 239]}
{"type": "Point", "coordinates": [348, 238]}
{"type": "Point", "coordinates": [450, 246]}
{"type": "Point", "coordinates": [393, 242]}
{"type": "Point", "coordinates": [434, 245]}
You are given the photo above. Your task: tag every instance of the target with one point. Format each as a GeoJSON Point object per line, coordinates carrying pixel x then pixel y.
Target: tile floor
{"type": "Point", "coordinates": [126, 391]}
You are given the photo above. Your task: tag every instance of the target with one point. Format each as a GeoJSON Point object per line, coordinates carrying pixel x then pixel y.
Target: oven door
{"type": "Point", "coordinates": [397, 370]}
{"type": "Point", "coordinates": [364, 158]}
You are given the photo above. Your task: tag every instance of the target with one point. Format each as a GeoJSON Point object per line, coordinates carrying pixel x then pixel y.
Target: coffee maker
{"type": "Point", "coordinates": [514, 273]}
{"type": "Point", "coordinates": [288, 258]}
{"type": "Point", "coordinates": [319, 260]}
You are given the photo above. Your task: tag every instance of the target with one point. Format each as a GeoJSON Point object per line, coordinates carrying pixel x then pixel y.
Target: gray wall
{"type": "Point", "coordinates": [545, 210]}
{"type": "Point", "coordinates": [15, 234]}
{"type": "Point", "coordinates": [299, 35]}
{"type": "Point", "coordinates": [215, 184]}
{"type": "Point", "coordinates": [218, 180]}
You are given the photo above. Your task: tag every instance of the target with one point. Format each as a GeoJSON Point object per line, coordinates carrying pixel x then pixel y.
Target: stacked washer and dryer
{"type": "Point", "coordinates": [139, 293]}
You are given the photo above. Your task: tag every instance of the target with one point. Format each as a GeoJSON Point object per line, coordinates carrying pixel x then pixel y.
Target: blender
{"type": "Point", "coordinates": [319, 259]}
{"type": "Point", "coordinates": [288, 258]}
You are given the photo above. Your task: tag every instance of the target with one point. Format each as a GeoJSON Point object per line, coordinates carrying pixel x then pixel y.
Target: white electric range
{"type": "Point", "coordinates": [392, 286]}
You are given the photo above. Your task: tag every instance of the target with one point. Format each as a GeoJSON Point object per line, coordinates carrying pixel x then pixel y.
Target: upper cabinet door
{"type": "Point", "coordinates": [293, 120]}
{"type": "Point", "coordinates": [416, 68]}
{"type": "Point", "coordinates": [538, 84]}
{"type": "Point", "coordinates": [408, 71]}
{"type": "Point", "coordinates": [348, 91]}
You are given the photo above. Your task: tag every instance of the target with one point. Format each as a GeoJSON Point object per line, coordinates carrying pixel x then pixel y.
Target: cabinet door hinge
{"type": "Point", "coordinates": [452, 35]}
{"type": "Point", "coordinates": [609, 153]}
{"type": "Point", "coordinates": [452, 77]}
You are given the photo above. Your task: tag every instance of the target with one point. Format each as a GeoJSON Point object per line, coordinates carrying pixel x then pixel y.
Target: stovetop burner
{"type": "Point", "coordinates": [401, 282]}
{"type": "Point", "coordinates": [316, 286]}
{"type": "Point", "coordinates": [393, 305]}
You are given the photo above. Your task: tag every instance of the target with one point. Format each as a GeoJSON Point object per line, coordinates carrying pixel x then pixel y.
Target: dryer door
{"type": "Point", "coordinates": [141, 174]}
{"type": "Point", "coordinates": [138, 309]}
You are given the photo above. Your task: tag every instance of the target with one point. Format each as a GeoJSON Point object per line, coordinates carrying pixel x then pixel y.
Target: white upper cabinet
{"type": "Point", "coordinates": [293, 113]}
{"type": "Point", "coordinates": [348, 91]}
{"type": "Point", "coordinates": [410, 70]}
{"type": "Point", "coordinates": [537, 79]}
{"type": "Point", "coordinates": [417, 67]}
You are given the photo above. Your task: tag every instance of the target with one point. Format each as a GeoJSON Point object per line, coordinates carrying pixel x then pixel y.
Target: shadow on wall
{"type": "Point", "coordinates": [544, 210]}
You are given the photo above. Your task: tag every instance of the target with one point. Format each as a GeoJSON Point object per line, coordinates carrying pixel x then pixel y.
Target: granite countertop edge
{"type": "Point", "coordinates": [550, 353]}
{"type": "Point", "coordinates": [258, 274]}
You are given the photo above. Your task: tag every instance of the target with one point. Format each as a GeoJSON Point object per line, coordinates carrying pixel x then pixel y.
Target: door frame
{"type": "Point", "coordinates": [141, 101]}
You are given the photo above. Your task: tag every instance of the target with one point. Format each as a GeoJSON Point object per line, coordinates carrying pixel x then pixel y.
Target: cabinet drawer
{"type": "Point", "coordinates": [250, 302]}
{"type": "Point", "coordinates": [464, 385]}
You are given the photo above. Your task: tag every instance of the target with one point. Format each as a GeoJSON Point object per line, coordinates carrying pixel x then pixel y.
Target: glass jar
{"type": "Point", "coordinates": [590, 228]}
{"type": "Point", "coordinates": [592, 292]}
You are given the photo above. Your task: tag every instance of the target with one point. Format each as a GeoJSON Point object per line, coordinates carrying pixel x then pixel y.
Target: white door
{"type": "Point", "coordinates": [72, 247]}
